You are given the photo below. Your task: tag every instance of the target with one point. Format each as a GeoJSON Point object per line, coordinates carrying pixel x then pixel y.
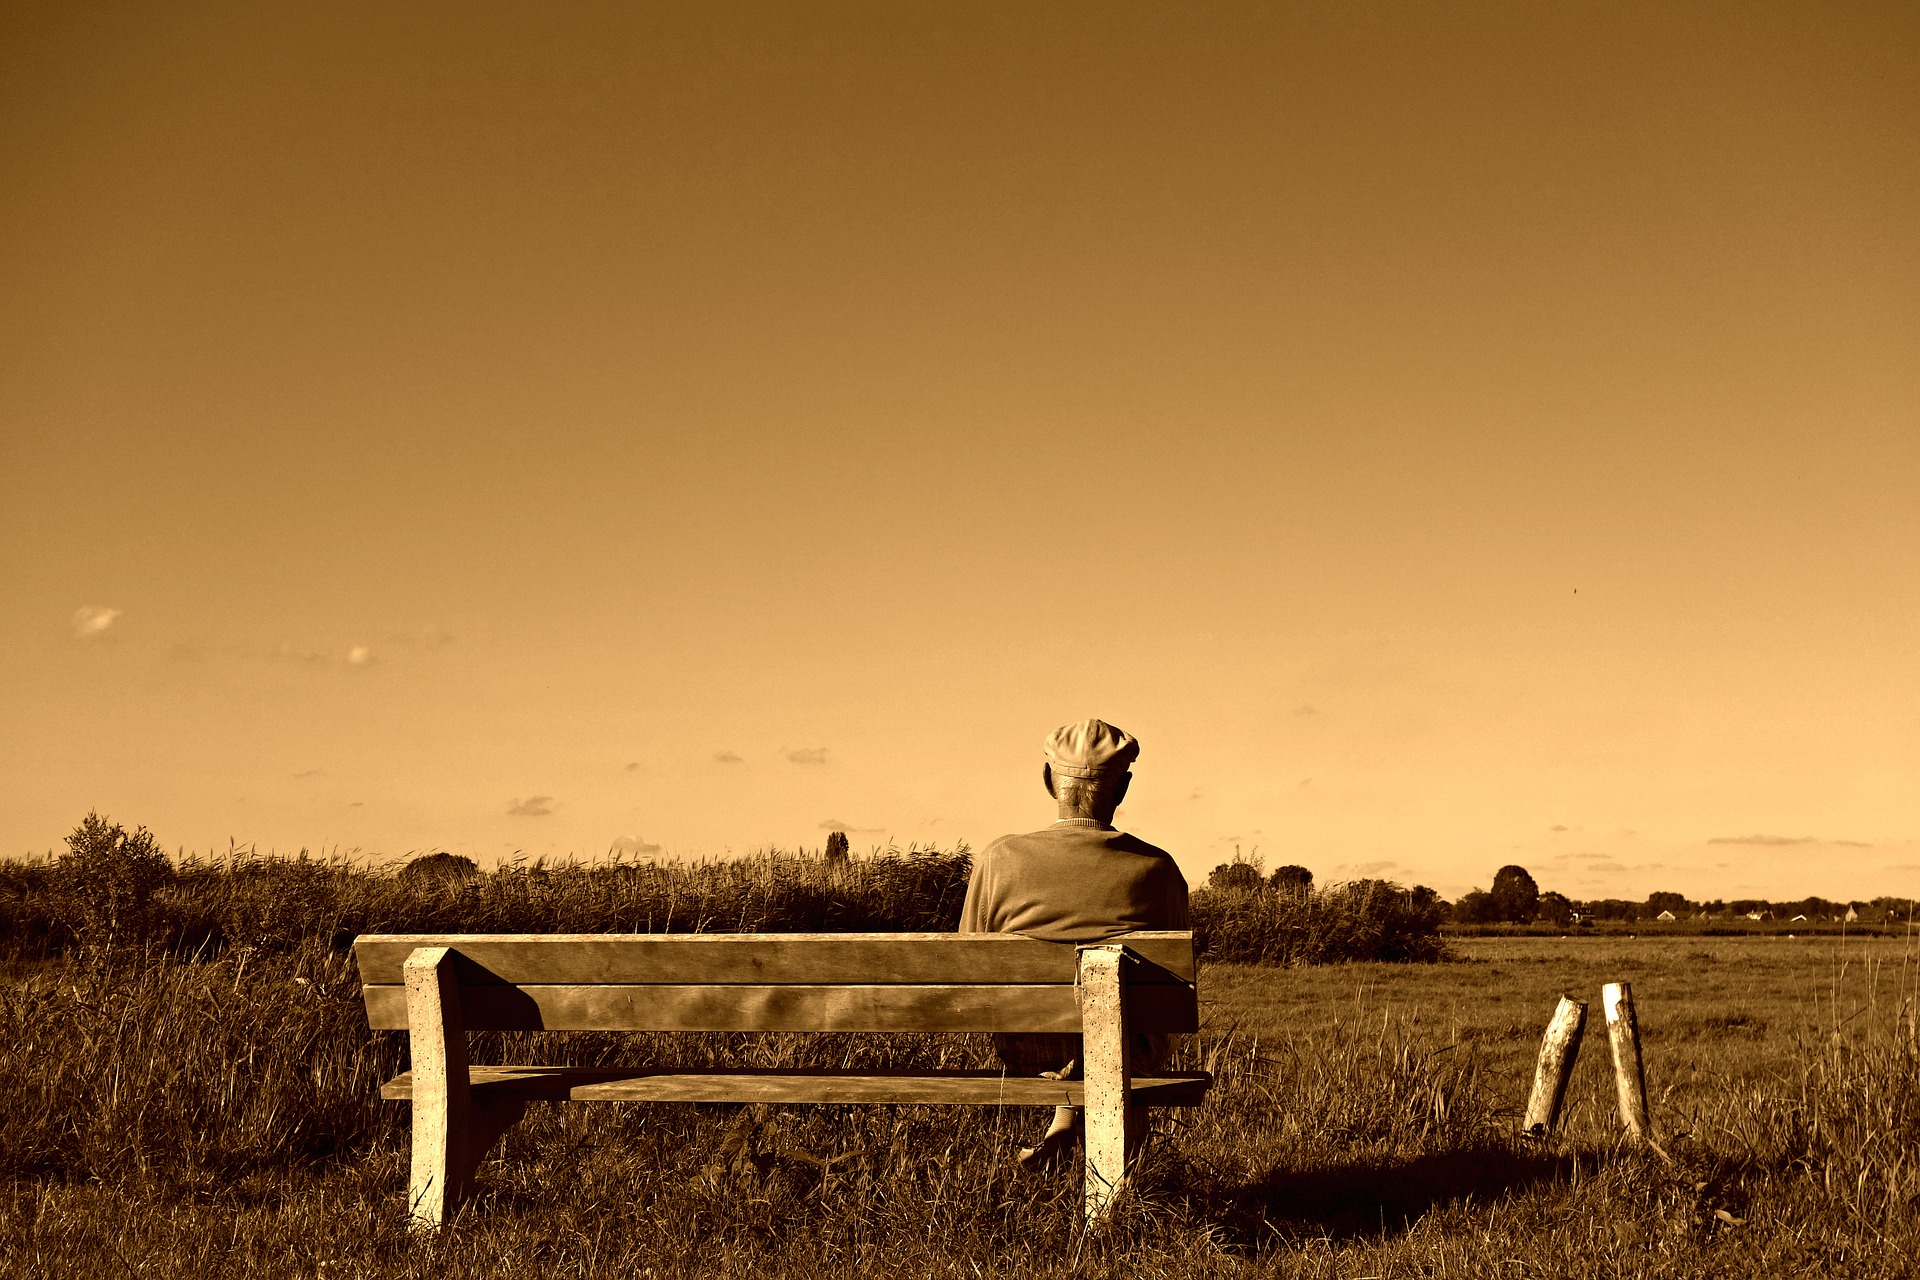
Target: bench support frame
{"type": "Point", "coordinates": [452, 1130]}
{"type": "Point", "coordinates": [1113, 1126]}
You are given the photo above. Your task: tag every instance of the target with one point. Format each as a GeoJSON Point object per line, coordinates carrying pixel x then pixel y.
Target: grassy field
{"type": "Point", "coordinates": [171, 1118]}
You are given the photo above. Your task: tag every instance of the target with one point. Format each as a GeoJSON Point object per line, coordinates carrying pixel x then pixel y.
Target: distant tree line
{"type": "Point", "coordinates": [1516, 898]}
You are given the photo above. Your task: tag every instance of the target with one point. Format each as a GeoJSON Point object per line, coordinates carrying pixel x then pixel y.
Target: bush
{"type": "Point", "coordinates": [1359, 920]}
{"type": "Point", "coordinates": [102, 888]}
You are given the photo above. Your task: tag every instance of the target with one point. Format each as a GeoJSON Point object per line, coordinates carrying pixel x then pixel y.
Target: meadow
{"type": "Point", "coordinates": [198, 1096]}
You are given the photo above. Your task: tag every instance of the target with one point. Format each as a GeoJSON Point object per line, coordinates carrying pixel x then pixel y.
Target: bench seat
{"type": "Point", "coordinates": [985, 1088]}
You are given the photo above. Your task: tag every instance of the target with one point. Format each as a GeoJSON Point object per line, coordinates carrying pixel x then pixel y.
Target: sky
{"type": "Point", "coordinates": [1446, 435]}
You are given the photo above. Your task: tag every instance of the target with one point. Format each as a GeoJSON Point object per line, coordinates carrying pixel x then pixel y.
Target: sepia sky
{"type": "Point", "coordinates": [1447, 435]}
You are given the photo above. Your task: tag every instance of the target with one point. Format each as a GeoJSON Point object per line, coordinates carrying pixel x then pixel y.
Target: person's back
{"type": "Point", "coordinates": [1078, 880]}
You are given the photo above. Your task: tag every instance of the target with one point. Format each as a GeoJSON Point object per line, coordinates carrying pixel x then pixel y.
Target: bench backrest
{"type": "Point", "coordinates": [778, 982]}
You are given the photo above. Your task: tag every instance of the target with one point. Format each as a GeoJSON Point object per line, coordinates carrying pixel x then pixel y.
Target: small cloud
{"type": "Point", "coordinates": [311, 773]}
{"type": "Point", "coordinates": [1303, 783]}
{"type": "Point", "coordinates": [1556, 827]}
{"type": "Point", "coordinates": [632, 765]}
{"type": "Point", "coordinates": [91, 621]}
{"type": "Point", "coordinates": [1306, 709]}
{"type": "Point", "coordinates": [834, 824]}
{"type": "Point", "coordinates": [531, 807]}
{"type": "Point", "coordinates": [1902, 866]}
{"type": "Point", "coordinates": [1781, 840]}
{"type": "Point", "coordinates": [727, 757]}
{"type": "Point", "coordinates": [632, 844]}
{"type": "Point", "coordinates": [1197, 794]}
{"type": "Point", "coordinates": [356, 804]}
{"type": "Point", "coordinates": [808, 755]}
{"type": "Point", "coordinates": [1369, 868]}
{"type": "Point", "coordinates": [359, 656]}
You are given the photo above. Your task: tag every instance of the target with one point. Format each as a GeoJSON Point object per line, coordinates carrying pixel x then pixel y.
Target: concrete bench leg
{"type": "Point", "coordinates": [1110, 1121]}
{"type": "Point", "coordinates": [451, 1129]}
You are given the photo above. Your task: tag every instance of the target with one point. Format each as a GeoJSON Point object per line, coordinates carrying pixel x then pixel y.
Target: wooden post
{"type": "Point", "coordinates": [1558, 1049]}
{"type": "Point", "coordinates": [1629, 1071]}
{"type": "Point", "coordinates": [1104, 1050]}
{"type": "Point", "coordinates": [451, 1129]}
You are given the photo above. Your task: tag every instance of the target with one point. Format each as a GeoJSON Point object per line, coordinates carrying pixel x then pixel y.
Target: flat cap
{"type": "Point", "coordinates": [1090, 749]}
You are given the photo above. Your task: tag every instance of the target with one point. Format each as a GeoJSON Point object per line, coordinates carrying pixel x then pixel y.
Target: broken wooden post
{"type": "Point", "coordinates": [1629, 1071]}
{"type": "Point", "coordinates": [1558, 1049]}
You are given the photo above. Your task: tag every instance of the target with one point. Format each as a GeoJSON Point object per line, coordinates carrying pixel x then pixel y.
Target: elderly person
{"type": "Point", "coordinates": [1078, 880]}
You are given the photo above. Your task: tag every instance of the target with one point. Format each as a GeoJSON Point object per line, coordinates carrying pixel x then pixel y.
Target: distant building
{"type": "Point", "coordinates": [1851, 915]}
{"type": "Point", "coordinates": [1665, 915]}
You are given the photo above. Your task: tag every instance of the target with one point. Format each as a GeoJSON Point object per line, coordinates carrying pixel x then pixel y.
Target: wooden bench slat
{"type": "Point", "coordinates": [676, 1084]}
{"type": "Point", "coordinates": [787, 1007]}
{"type": "Point", "coordinates": [766, 959]}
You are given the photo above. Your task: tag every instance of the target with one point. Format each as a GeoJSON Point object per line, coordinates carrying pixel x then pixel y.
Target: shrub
{"type": "Point", "coordinates": [103, 886]}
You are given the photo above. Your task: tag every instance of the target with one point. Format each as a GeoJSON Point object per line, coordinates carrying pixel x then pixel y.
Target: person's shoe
{"type": "Point", "coordinates": [1051, 1152]}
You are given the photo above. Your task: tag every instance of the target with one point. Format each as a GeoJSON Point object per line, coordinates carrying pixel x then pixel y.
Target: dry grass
{"type": "Point", "coordinates": [172, 1115]}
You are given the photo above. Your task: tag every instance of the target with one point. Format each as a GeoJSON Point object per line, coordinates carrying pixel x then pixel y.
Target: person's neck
{"type": "Point", "coordinates": [1071, 814]}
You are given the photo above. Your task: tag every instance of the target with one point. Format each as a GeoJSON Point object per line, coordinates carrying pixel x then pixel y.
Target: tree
{"type": "Point", "coordinates": [837, 850]}
{"type": "Point", "coordinates": [1235, 876]}
{"type": "Point", "coordinates": [1291, 879]}
{"type": "Point", "coordinates": [1475, 907]}
{"type": "Point", "coordinates": [1515, 896]}
{"type": "Point", "coordinates": [1663, 901]}
{"type": "Point", "coordinates": [1555, 909]}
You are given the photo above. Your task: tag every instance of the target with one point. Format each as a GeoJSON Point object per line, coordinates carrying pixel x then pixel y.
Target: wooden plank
{"type": "Point", "coordinates": [800, 1085]}
{"type": "Point", "coordinates": [1106, 1050]}
{"type": "Point", "coordinates": [765, 959]}
{"type": "Point", "coordinates": [611, 1007]}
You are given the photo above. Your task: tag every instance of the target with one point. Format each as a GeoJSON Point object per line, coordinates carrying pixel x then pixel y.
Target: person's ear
{"type": "Point", "coordinates": [1046, 780]}
{"type": "Point", "coordinates": [1120, 792]}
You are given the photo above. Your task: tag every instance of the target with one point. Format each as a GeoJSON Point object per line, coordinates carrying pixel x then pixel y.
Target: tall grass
{"type": "Point", "coordinates": [171, 1117]}
{"type": "Point", "coordinates": [206, 905]}
{"type": "Point", "coordinates": [192, 1089]}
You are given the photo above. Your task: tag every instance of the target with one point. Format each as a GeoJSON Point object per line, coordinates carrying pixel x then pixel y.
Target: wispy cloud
{"type": "Point", "coordinates": [287, 653]}
{"type": "Point", "coordinates": [531, 807]}
{"type": "Point", "coordinates": [1778, 840]}
{"type": "Point", "coordinates": [834, 824]}
{"type": "Point", "coordinates": [632, 765]}
{"type": "Point", "coordinates": [1556, 827]}
{"type": "Point", "coordinates": [1306, 709]}
{"type": "Point", "coordinates": [728, 757]}
{"type": "Point", "coordinates": [93, 620]}
{"type": "Point", "coordinates": [1902, 866]}
{"type": "Point", "coordinates": [632, 844]}
{"type": "Point", "coordinates": [808, 755]}
{"type": "Point", "coordinates": [311, 773]}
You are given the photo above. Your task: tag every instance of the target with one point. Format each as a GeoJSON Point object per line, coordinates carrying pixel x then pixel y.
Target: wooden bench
{"type": "Point", "coordinates": [439, 987]}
